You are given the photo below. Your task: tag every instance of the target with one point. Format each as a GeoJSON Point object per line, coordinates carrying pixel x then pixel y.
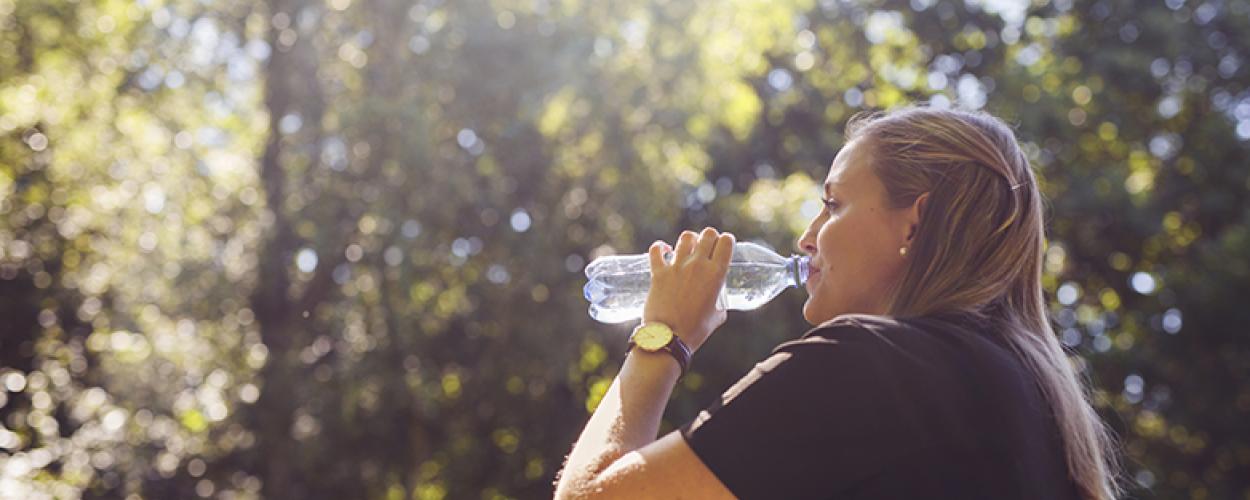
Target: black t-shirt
{"type": "Point", "coordinates": [881, 408]}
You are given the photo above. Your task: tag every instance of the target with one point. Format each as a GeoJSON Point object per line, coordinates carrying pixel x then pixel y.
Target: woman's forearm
{"type": "Point", "coordinates": [627, 418]}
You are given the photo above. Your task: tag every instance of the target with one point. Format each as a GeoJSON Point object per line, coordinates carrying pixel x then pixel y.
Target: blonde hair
{"type": "Point", "coordinates": [978, 249]}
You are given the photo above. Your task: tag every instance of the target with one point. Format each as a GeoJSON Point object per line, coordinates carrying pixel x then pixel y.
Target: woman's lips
{"type": "Point", "coordinates": [811, 277]}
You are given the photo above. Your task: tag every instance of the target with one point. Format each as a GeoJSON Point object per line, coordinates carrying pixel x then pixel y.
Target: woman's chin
{"type": "Point", "coordinates": [816, 313]}
{"type": "Point", "coordinates": [810, 314]}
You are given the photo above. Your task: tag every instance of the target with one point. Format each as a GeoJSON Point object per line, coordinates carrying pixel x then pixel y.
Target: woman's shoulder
{"type": "Point", "coordinates": [925, 339]}
{"type": "Point", "coordinates": [850, 327]}
{"type": "Point", "coordinates": [881, 322]}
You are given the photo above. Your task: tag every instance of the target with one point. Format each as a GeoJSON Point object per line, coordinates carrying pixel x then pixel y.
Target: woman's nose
{"type": "Point", "coordinates": [806, 243]}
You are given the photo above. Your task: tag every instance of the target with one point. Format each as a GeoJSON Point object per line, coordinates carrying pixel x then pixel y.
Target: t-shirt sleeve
{"type": "Point", "coordinates": [809, 421]}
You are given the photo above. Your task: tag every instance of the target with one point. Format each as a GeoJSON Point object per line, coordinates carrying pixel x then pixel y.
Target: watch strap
{"type": "Point", "coordinates": [675, 347]}
{"type": "Point", "coordinates": [681, 351]}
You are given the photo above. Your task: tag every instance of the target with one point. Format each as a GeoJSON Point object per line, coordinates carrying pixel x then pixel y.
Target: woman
{"type": "Point", "coordinates": [933, 371]}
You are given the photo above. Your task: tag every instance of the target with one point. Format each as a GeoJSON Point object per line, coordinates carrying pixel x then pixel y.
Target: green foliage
{"type": "Point", "coordinates": [334, 249]}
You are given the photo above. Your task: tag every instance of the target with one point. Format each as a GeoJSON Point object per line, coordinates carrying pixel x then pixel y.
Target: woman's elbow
{"type": "Point", "coordinates": [574, 490]}
{"type": "Point", "coordinates": [578, 488]}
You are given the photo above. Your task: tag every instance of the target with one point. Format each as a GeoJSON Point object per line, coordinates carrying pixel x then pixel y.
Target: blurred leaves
{"type": "Point", "coordinates": [334, 249]}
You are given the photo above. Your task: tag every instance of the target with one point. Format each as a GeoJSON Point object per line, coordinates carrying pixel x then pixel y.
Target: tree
{"type": "Point", "coordinates": [334, 249]}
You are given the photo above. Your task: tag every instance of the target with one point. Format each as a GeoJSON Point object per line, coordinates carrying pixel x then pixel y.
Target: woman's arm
{"type": "Point", "coordinates": [628, 418]}
{"type": "Point", "coordinates": [617, 455]}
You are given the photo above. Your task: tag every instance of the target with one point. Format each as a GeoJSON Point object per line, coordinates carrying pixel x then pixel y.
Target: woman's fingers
{"type": "Point", "coordinates": [707, 242]}
{"type": "Point", "coordinates": [724, 251]}
{"type": "Point", "coordinates": [685, 244]}
{"type": "Point", "coordinates": [685, 287]}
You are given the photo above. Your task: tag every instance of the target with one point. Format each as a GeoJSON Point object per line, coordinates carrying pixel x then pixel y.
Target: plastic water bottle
{"type": "Point", "coordinates": [618, 284]}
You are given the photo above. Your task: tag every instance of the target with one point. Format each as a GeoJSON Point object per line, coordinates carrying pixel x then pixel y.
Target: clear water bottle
{"type": "Point", "coordinates": [618, 284]}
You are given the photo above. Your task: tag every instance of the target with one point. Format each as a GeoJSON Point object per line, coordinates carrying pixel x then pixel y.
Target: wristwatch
{"type": "Point", "coordinates": [655, 337]}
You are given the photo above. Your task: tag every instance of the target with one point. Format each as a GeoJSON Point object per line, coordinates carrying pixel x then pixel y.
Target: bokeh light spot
{"type": "Point", "coordinates": [1068, 293]}
{"type": "Point", "coordinates": [306, 260]}
{"type": "Point", "coordinates": [520, 220]}
{"type": "Point", "coordinates": [1172, 321]}
{"type": "Point", "coordinates": [1143, 283]}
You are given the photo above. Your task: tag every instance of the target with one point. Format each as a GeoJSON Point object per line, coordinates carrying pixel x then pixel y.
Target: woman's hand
{"type": "Point", "coordinates": [683, 294]}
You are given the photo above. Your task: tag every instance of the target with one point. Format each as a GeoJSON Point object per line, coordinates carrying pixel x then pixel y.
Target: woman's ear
{"type": "Point", "coordinates": [914, 213]}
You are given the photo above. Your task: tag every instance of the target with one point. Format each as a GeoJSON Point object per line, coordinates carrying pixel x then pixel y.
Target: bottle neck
{"type": "Point", "coordinates": [797, 265]}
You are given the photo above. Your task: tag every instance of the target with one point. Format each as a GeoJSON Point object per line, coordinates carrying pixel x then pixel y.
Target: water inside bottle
{"type": "Point", "coordinates": [620, 296]}
{"type": "Point", "coordinates": [747, 284]}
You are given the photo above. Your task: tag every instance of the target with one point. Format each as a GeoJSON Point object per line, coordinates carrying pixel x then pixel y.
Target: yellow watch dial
{"type": "Point", "coordinates": [653, 337]}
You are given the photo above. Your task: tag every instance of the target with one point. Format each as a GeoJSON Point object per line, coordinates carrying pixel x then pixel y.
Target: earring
{"type": "Point", "coordinates": [902, 251]}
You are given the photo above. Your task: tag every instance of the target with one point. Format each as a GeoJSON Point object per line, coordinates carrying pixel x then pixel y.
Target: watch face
{"type": "Point", "coordinates": [653, 337]}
